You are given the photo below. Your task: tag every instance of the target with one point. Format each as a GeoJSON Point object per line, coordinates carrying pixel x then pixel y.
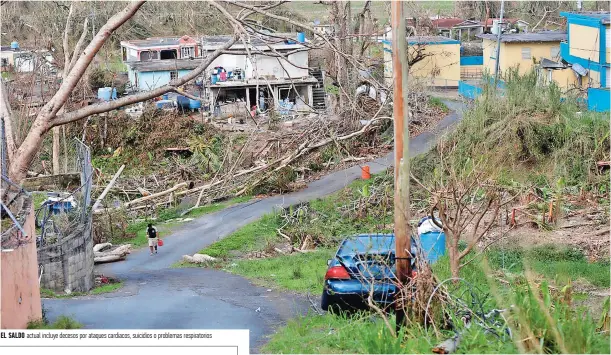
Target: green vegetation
{"type": "Point", "coordinates": [437, 103]}
{"type": "Point", "coordinates": [301, 272]}
{"type": "Point", "coordinates": [165, 223]}
{"type": "Point", "coordinates": [105, 288]}
{"type": "Point", "coordinates": [534, 307]}
{"type": "Point", "coordinates": [247, 238]}
{"type": "Point", "coordinates": [526, 136]}
{"type": "Point", "coordinates": [62, 322]}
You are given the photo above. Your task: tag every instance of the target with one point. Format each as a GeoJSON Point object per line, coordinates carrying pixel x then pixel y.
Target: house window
{"type": "Point", "coordinates": [555, 52]}
{"type": "Point", "coordinates": [526, 53]}
{"type": "Point", "coordinates": [5, 62]}
{"type": "Point", "coordinates": [148, 55]}
{"type": "Point", "coordinates": [173, 75]}
{"type": "Point", "coordinates": [168, 54]}
{"type": "Point", "coordinates": [186, 52]}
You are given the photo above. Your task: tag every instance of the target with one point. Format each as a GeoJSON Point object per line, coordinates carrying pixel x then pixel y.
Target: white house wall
{"type": "Point", "coordinates": [132, 54]}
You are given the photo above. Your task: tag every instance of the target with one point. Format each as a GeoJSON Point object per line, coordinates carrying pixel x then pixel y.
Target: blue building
{"type": "Point", "coordinates": [587, 51]}
{"type": "Point", "coordinates": [587, 45]}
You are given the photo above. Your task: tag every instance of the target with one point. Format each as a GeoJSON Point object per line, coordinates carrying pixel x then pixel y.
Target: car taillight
{"type": "Point", "coordinates": [337, 272]}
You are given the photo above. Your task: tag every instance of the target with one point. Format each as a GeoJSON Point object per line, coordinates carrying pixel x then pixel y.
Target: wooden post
{"type": "Point", "coordinates": [110, 185]}
{"type": "Point", "coordinates": [401, 131]}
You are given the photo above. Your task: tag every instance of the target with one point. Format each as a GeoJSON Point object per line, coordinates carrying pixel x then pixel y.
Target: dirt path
{"type": "Point", "coordinates": [157, 297]}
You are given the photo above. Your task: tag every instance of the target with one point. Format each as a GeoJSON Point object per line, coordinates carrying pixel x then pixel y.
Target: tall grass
{"type": "Point", "coordinates": [527, 131]}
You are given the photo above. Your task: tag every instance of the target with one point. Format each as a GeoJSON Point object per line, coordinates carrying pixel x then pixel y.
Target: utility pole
{"type": "Point", "coordinates": [401, 132]}
{"type": "Point", "coordinates": [498, 44]}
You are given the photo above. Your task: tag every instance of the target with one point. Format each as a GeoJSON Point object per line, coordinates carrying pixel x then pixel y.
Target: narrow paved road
{"type": "Point", "coordinates": [157, 297]}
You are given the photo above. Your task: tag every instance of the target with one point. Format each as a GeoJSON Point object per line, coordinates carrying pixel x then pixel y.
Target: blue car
{"type": "Point", "coordinates": [361, 264]}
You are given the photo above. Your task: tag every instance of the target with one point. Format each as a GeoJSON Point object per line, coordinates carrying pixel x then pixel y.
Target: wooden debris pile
{"type": "Point", "coordinates": [105, 253]}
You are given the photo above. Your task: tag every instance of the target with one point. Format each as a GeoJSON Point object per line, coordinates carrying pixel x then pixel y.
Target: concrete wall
{"type": "Point", "coordinates": [154, 79]}
{"type": "Point", "coordinates": [440, 69]}
{"type": "Point", "coordinates": [584, 42]}
{"type": "Point", "coordinates": [608, 45]}
{"type": "Point", "coordinates": [511, 55]}
{"type": "Point", "coordinates": [20, 301]}
{"type": "Point", "coordinates": [265, 65]}
{"type": "Point", "coordinates": [68, 264]}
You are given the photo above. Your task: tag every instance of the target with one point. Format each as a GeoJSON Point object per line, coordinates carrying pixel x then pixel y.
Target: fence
{"type": "Point", "coordinates": [68, 209]}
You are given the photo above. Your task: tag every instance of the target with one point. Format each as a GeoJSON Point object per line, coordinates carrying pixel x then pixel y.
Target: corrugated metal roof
{"type": "Point", "coordinates": [547, 36]}
{"type": "Point", "coordinates": [430, 40]}
{"type": "Point", "coordinates": [212, 41]}
{"type": "Point", "coordinates": [447, 22]}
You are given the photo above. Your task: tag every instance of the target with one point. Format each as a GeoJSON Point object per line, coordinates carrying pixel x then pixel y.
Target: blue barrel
{"type": "Point", "coordinates": [433, 245]}
{"type": "Point", "coordinates": [164, 104]}
{"type": "Point", "coordinates": [104, 94]}
{"type": "Point", "coordinates": [300, 37]}
{"type": "Point", "coordinates": [195, 104]}
{"type": "Point", "coordinates": [166, 96]}
{"type": "Point", "coordinates": [182, 102]}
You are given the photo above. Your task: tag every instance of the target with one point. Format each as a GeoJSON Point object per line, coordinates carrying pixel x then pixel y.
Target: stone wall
{"type": "Point", "coordinates": [68, 264]}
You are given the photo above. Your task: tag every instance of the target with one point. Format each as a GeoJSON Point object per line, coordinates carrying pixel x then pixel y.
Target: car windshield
{"type": "Point", "coordinates": [374, 244]}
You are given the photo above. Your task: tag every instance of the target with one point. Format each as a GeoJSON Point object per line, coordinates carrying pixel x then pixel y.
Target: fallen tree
{"type": "Point", "coordinates": [103, 253]}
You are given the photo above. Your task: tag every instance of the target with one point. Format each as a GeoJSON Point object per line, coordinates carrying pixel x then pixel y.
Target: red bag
{"type": "Point", "coordinates": [160, 242]}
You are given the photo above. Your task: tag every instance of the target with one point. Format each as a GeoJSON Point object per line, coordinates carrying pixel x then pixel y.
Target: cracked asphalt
{"type": "Point", "coordinates": [154, 296]}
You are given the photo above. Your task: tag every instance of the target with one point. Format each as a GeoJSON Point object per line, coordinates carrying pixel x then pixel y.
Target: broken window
{"type": "Point", "coordinates": [187, 52]}
{"type": "Point", "coordinates": [168, 54]}
{"type": "Point", "coordinates": [285, 93]}
{"type": "Point", "coordinates": [148, 55]}
{"type": "Point", "coordinates": [124, 51]}
{"type": "Point", "coordinates": [173, 75]}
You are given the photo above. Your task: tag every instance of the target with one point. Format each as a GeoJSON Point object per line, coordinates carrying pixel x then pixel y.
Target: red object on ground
{"type": "Point", "coordinates": [365, 174]}
{"type": "Point", "coordinates": [160, 242]}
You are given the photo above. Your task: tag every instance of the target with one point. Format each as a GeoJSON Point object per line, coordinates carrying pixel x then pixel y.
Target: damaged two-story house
{"type": "Point", "coordinates": [261, 79]}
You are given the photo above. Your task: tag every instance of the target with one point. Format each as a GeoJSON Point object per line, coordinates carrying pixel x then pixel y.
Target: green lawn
{"type": "Point", "coordinates": [107, 288]}
{"type": "Point", "coordinates": [298, 272]}
{"type": "Point", "coordinates": [250, 237]}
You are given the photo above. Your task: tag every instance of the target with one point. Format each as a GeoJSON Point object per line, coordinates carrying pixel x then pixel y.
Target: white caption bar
{"type": "Point", "coordinates": [117, 342]}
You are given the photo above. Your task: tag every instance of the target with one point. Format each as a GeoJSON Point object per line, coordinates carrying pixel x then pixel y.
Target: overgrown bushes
{"type": "Point", "coordinates": [529, 134]}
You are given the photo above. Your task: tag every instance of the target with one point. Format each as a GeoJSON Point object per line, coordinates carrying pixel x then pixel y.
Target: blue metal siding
{"type": "Point", "coordinates": [468, 90]}
{"type": "Point", "coordinates": [599, 100]}
{"type": "Point", "coordinates": [474, 60]}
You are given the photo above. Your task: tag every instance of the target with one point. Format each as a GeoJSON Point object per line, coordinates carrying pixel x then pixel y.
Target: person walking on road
{"type": "Point", "coordinates": [151, 233]}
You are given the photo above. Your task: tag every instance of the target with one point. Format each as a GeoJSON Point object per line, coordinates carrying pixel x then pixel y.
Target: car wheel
{"type": "Point", "coordinates": [324, 301]}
